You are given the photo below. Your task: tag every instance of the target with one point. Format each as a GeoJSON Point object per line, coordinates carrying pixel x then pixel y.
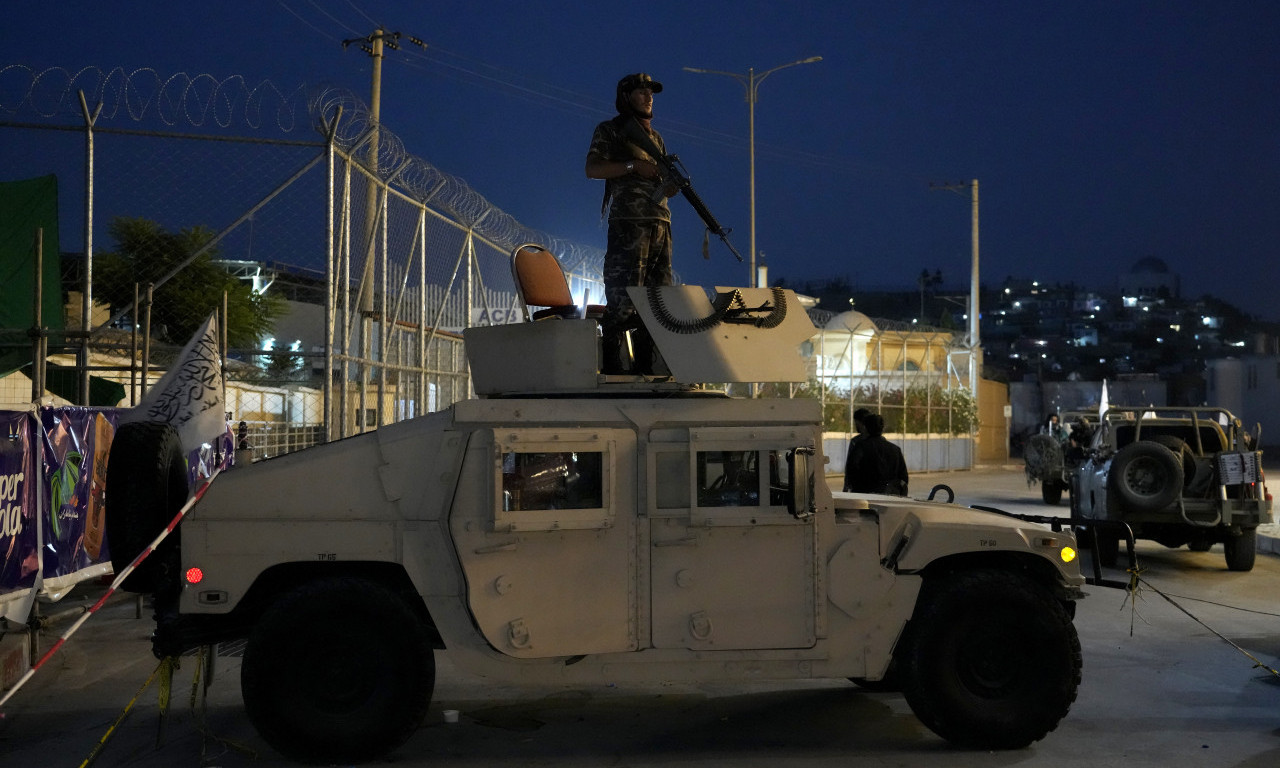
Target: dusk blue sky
{"type": "Point", "coordinates": [1101, 132]}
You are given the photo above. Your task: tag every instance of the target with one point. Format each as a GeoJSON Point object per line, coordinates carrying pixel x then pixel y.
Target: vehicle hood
{"type": "Point", "coordinates": [915, 533]}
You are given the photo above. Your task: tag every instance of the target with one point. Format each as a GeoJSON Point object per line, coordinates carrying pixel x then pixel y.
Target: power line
{"type": "Point", "coordinates": [360, 11]}
{"type": "Point", "coordinates": [297, 16]}
{"type": "Point", "coordinates": [331, 17]}
{"type": "Point", "coordinates": [434, 60]}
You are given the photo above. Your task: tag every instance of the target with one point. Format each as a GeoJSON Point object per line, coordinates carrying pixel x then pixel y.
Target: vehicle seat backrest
{"type": "Point", "coordinates": [1214, 438]}
{"type": "Point", "coordinates": [540, 282]}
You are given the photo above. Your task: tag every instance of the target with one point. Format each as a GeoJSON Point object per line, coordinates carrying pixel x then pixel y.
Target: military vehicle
{"type": "Point", "coordinates": [1175, 476]}
{"type": "Point", "coordinates": [1051, 462]}
{"type": "Point", "coordinates": [569, 528]}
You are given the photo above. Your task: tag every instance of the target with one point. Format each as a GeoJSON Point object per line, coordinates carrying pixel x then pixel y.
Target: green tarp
{"type": "Point", "coordinates": [25, 207]}
{"type": "Point", "coordinates": [65, 383]}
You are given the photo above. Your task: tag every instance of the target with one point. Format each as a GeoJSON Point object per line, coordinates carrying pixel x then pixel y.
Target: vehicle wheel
{"type": "Point", "coordinates": [1241, 550]}
{"type": "Point", "coordinates": [991, 661]}
{"type": "Point", "coordinates": [1051, 492]}
{"type": "Point", "coordinates": [338, 670]}
{"type": "Point", "coordinates": [146, 486]}
{"type": "Point", "coordinates": [1146, 476]}
{"type": "Point", "coordinates": [1182, 450]}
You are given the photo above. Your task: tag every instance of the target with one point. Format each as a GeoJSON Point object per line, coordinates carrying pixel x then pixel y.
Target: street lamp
{"type": "Point", "coordinates": [751, 82]}
{"type": "Point", "coordinates": [975, 312]}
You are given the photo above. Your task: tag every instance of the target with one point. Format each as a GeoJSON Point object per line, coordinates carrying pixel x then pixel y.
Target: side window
{"type": "Point", "coordinates": [728, 479]}
{"type": "Point", "coordinates": [738, 475]}
{"type": "Point", "coordinates": [551, 479]}
{"type": "Point", "coordinates": [732, 478]}
{"type": "Point", "coordinates": [564, 480]}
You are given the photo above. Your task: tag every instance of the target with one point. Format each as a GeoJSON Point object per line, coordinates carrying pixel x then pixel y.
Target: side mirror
{"type": "Point", "coordinates": [800, 480]}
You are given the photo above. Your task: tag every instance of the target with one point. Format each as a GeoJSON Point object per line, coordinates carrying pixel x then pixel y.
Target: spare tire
{"type": "Point", "coordinates": [146, 486]}
{"type": "Point", "coordinates": [1044, 458]}
{"type": "Point", "coordinates": [1183, 451]}
{"type": "Point", "coordinates": [1146, 476]}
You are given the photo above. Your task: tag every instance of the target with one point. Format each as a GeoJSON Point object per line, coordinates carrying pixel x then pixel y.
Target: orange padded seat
{"type": "Point", "coordinates": [540, 282]}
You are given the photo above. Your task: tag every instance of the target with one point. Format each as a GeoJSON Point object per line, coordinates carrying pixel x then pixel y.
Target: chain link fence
{"type": "Point", "coordinates": [346, 266]}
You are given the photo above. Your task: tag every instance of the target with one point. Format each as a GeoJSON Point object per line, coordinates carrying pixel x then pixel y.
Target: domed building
{"type": "Point", "coordinates": [1149, 281]}
{"type": "Point", "coordinates": [851, 350]}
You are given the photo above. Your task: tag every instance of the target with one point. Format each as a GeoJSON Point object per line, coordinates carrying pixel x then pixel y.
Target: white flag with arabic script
{"type": "Point", "coordinates": [190, 396]}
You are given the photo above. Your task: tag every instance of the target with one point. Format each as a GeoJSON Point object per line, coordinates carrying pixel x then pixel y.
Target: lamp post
{"type": "Point", "coordinates": [751, 82]}
{"type": "Point", "coordinates": [975, 339]}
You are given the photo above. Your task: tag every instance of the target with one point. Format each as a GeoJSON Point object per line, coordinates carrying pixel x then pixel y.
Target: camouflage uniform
{"type": "Point", "coordinates": [639, 245]}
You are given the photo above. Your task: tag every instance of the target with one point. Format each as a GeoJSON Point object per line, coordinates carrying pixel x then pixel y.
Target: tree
{"type": "Point", "coordinates": [145, 252]}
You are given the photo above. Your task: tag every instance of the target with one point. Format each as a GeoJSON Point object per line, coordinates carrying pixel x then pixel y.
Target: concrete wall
{"type": "Point", "coordinates": [1249, 387]}
{"type": "Point", "coordinates": [1033, 401]}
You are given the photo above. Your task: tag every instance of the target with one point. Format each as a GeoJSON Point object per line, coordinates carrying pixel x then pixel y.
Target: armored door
{"type": "Point", "coordinates": [550, 561]}
{"type": "Point", "coordinates": [730, 567]}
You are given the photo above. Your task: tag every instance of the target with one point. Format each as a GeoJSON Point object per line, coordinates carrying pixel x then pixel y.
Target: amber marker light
{"type": "Point", "coordinates": [1067, 554]}
{"type": "Point", "coordinates": [194, 575]}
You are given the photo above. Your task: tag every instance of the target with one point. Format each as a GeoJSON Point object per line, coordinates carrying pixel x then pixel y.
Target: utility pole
{"type": "Point", "coordinates": [373, 45]}
{"type": "Point", "coordinates": [751, 82]}
{"type": "Point", "coordinates": [975, 340]}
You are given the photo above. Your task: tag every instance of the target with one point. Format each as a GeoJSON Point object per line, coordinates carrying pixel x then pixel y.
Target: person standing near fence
{"type": "Point", "coordinates": [860, 428]}
{"type": "Point", "coordinates": [877, 465]}
{"type": "Point", "coordinates": [635, 198]}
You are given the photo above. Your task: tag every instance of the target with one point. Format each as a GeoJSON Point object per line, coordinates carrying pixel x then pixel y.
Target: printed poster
{"type": "Point", "coordinates": [76, 441]}
{"type": "Point", "coordinates": [19, 542]}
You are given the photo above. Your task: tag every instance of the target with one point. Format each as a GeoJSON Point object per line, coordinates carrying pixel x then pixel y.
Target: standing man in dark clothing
{"type": "Point", "coordinates": [860, 427]}
{"type": "Point", "coordinates": [877, 464]}
{"type": "Point", "coordinates": [635, 196]}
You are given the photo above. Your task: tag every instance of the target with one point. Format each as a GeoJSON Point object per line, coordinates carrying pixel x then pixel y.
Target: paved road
{"type": "Point", "coordinates": [1159, 689]}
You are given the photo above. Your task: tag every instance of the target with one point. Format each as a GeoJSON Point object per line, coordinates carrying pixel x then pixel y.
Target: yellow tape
{"type": "Point", "coordinates": [93, 755]}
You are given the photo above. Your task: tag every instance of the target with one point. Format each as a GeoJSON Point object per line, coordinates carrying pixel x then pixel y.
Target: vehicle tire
{"type": "Point", "coordinates": [1241, 550]}
{"type": "Point", "coordinates": [1183, 451]}
{"type": "Point", "coordinates": [991, 659]}
{"type": "Point", "coordinates": [338, 670]}
{"type": "Point", "coordinates": [1146, 476]}
{"type": "Point", "coordinates": [1051, 492]}
{"type": "Point", "coordinates": [146, 486]}
{"type": "Point", "coordinates": [1043, 457]}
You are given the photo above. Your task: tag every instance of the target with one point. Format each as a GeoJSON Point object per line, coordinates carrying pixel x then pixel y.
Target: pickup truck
{"type": "Point", "coordinates": [571, 528]}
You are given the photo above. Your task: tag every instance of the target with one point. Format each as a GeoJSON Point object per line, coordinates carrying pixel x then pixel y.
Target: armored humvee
{"type": "Point", "coordinates": [570, 528]}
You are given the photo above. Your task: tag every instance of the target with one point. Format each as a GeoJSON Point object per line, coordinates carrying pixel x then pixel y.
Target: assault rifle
{"type": "Point", "coordinates": [673, 172]}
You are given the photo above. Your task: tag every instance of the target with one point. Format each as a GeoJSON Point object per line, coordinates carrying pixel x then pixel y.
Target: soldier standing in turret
{"type": "Point", "coordinates": [635, 197]}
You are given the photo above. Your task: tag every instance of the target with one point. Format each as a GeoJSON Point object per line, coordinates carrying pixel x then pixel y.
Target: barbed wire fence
{"type": "Point", "coordinates": [376, 260]}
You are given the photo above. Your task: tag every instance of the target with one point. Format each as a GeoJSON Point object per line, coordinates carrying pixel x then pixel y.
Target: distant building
{"type": "Point", "coordinates": [1149, 283]}
{"type": "Point", "coordinates": [851, 350]}
{"type": "Point", "coordinates": [1249, 387]}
